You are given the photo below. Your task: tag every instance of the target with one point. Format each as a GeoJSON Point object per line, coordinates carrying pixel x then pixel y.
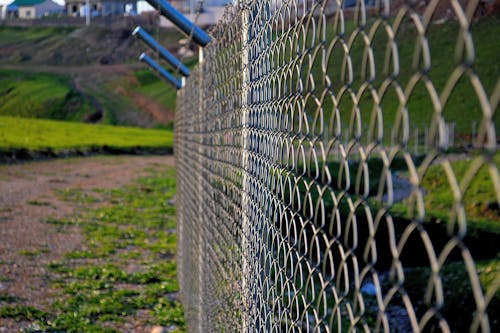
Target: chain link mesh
{"type": "Point", "coordinates": [338, 169]}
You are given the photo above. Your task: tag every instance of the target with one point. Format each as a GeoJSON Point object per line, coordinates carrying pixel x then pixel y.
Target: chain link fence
{"type": "Point", "coordinates": [338, 169]}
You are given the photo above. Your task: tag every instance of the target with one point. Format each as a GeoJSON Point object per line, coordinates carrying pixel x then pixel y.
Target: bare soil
{"type": "Point", "coordinates": [28, 196]}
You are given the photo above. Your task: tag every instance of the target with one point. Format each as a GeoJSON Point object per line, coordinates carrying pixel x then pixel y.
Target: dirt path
{"type": "Point", "coordinates": [29, 194]}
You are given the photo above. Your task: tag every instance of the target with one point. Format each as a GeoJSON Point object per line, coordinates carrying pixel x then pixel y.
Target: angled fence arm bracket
{"type": "Point", "coordinates": [163, 52]}
{"type": "Point", "coordinates": [199, 36]}
{"type": "Point", "coordinates": [175, 82]}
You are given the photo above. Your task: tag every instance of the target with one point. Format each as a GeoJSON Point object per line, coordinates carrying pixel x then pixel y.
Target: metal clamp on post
{"type": "Point", "coordinates": [167, 56]}
{"type": "Point", "coordinates": [175, 82]}
{"type": "Point", "coordinates": [167, 10]}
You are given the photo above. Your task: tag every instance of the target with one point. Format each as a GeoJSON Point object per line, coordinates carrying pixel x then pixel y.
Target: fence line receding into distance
{"type": "Point", "coordinates": [338, 169]}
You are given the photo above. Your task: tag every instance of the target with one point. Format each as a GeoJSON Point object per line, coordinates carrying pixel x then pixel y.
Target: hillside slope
{"type": "Point", "coordinates": [82, 74]}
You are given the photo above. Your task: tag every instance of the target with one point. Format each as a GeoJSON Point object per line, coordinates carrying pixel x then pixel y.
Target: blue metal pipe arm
{"type": "Point", "coordinates": [199, 35]}
{"type": "Point", "coordinates": [169, 58]}
{"type": "Point", "coordinates": [175, 82]}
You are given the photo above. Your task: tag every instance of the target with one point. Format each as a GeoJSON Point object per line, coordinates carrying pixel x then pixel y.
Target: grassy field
{"type": "Point", "coordinates": [462, 107]}
{"type": "Point", "coordinates": [150, 85]}
{"type": "Point", "coordinates": [11, 35]}
{"type": "Point", "coordinates": [36, 134]}
{"type": "Point", "coordinates": [78, 96]}
{"type": "Point", "coordinates": [35, 84]}
{"type": "Point", "coordinates": [95, 290]}
{"type": "Point", "coordinates": [479, 200]}
{"type": "Point", "coordinates": [41, 95]}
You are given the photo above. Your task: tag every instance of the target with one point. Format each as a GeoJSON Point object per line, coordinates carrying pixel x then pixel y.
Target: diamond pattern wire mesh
{"type": "Point", "coordinates": [338, 170]}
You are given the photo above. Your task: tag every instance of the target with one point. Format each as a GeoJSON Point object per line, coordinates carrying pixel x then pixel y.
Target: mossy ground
{"type": "Point", "coordinates": [124, 276]}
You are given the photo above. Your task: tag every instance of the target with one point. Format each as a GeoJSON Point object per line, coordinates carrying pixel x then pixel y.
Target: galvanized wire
{"type": "Point", "coordinates": [324, 184]}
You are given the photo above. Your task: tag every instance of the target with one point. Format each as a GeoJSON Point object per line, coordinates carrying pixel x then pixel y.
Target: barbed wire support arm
{"type": "Point", "coordinates": [171, 79]}
{"type": "Point", "coordinates": [179, 67]}
{"type": "Point", "coordinates": [199, 36]}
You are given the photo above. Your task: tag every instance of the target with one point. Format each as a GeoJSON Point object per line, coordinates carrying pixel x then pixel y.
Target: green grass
{"type": "Point", "coordinates": [36, 134]}
{"type": "Point", "coordinates": [9, 35]}
{"type": "Point", "coordinates": [77, 195]}
{"type": "Point", "coordinates": [33, 91]}
{"type": "Point", "coordinates": [478, 199]}
{"type": "Point", "coordinates": [97, 291]}
{"type": "Point", "coordinates": [38, 203]}
{"type": "Point", "coordinates": [459, 307]}
{"type": "Point", "coordinates": [34, 253]}
{"type": "Point", "coordinates": [462, 107]}
{"type": "Point", "coordinates": [6, 298]}
{"type": "Point", "coordinates": [41, 95]}
{"type": "Point", "coordinates": [152, 86]}
{"type": "Point", "coordinates": [21, 312]}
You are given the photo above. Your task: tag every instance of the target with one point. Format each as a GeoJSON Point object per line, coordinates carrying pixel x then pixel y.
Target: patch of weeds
{"type": "Point", "coordinates": [21, 312]}
{"type": "Point", "coordinates": [33, 253]}
{"type": "Point", "coordinates": [84, 254]}
{"type": "Point", "coordinates": [127, 254]}
{"type": "Point", "coordinates": [136, 270]}
{"type": "Point", "coordinates": [61, 222]}
{"type": "Point", "coordinates": [39, 203]}
{"type": "Point", "coordinates": [58, 267]}
{"type": "Point", "coordinates": [103, 240]}
{"type": "Point", "coordinates": [6, 298]}
{"type": "Point", "coordinates": [107, 272]}
{"type": "Point", "coordinates": [77, 195]}
{"type": "Point", "coordinates": [164, 243]}
{"type": "Point", "coordinates": [4, 278]}
{"type": "Point", "coordinates": [168, 312]}
{"type": "Point", "coordinates": [84, 175]}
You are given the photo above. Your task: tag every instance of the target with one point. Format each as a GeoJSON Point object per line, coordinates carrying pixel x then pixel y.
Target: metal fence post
{"type": "Point", "coordinates": [201, 213]}
{"type": "Point", "coordinates": [245, 18]}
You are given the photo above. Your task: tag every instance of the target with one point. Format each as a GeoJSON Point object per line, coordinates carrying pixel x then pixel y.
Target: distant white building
{"type": "Point", "coordinates": [186, 6]}
{"type": "Point", "coordinates": [101, 7]}
{"type": "Point", "coordinates": [30, 9]}
{"type": "Point", "coordinates": [211, 12]}
{"type": "Point", "coordinates": [193, 4]}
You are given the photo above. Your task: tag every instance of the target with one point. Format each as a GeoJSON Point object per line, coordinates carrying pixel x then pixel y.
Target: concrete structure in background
{"type": "Point", "coordinates": [78, 8]}
{"type": "Point", "coordinates": [3, 11]}
{"type": "Point", "coordinates": [31, 9]}
{"type": "Point", "coordinates": [190, 6]}
{"type": "Point", "coordinates": [211, 12]}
